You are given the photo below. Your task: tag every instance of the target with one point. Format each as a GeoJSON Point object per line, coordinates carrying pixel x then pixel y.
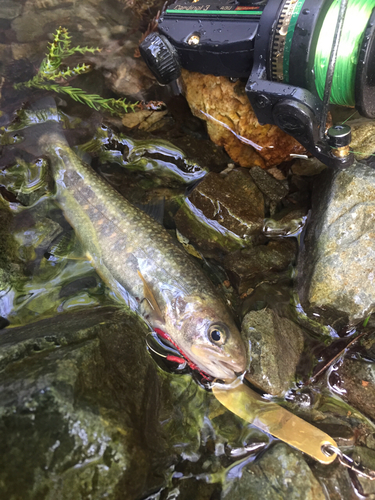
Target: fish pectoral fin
{"type": "Point", "coordinates": [150, 297]}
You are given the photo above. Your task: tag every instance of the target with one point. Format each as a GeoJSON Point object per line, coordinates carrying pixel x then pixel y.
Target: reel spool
{"type": "Point", "coordinates": [297, 57]}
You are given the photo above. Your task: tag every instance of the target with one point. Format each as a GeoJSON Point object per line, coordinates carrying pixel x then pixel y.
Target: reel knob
{"type": "Point", "coordinates": [339, 138]}
{"type": "Point", "coordinates": [161, 57]}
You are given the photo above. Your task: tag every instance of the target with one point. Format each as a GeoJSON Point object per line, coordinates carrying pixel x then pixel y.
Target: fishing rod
{"type": "Point", "coordinates": [296, 56]}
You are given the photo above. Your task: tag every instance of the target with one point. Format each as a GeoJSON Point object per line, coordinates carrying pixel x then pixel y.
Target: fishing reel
{"type": "Point", "coordinates": [297, 57]}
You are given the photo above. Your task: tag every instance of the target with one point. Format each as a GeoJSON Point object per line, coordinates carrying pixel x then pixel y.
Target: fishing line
{"type": "Point", "coordinates": [349, 117]}
{"type": "Point", "coordinates": [356, 19]}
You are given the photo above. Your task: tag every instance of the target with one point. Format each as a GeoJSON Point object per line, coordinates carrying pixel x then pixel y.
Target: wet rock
{"type": "Point", "coordinates": [222, 214]}
{"type": "Point", "coordinates": [204, 151]}
{"type": "Point", "coordinates": [335, 267]}
{"type": "Point", "coordinates": [287, 224]}
{"type": "Point", "coordinates": [81, 394]}
{"type": "Point", "coordinates": [354, 380]}
{"type": "Point", "coordinates": [10, 9]}
{"type": "Point", "coordinates": [276, 173]}
{"type": "Point", "coordinates": [273, 189]}
{"type": "Point", "coordinates": [90, 22]}
{"type": "Point", "coordinates": [335, 480]}
{"type": "Point", "coordinates": [140, 7]}
{"type": "Point", "coordinates": [126, 75]}
{"type": "Point", "coordinates": [36, 238]}
{"type": "Point", "coordinates": [280, 474]}
{"type": "Point", "coordinates": [308, 167]}
{"type": "Point", "coordinates": [246, 268]}
{"type": "Point", "coordinates": [365, 457]}
{"type": "Point", "coordinates": [232, 123]}
{"type": "Point", "coordinates": [363, 138]}
{"type": "Point", "coordinates": [11, 266]}
{"type": "Point", "coordinates": [145, 120]}
{"type": "Point", "coordinates": [275, 348]}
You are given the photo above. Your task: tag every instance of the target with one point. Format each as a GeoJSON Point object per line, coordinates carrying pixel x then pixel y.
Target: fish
{"type": "Point", "coordinates": [143, 264]}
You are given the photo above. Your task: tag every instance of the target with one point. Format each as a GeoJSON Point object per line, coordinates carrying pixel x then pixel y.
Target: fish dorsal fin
{"type": "Point", "coordinates": [154, 209]}
{"type": "Point", "coordinates": [151, 297]}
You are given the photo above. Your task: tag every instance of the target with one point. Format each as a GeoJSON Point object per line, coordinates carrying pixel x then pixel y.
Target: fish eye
{"type": "Point", "coordinates": [217, 334]}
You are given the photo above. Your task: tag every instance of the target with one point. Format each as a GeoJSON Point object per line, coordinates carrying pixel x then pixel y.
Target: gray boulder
{"type": "Point", "coordinates": [276, 346]}
{"type": "Point", "coordinates": [336, 265]}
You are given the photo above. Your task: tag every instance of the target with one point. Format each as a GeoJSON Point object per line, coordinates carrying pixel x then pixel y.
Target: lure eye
{"type": "Point", "coordinates": [217, 334]}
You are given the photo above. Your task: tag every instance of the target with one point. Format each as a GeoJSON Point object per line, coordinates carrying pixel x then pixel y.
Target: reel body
{"type": "Point", "coordinates": [272, 44]}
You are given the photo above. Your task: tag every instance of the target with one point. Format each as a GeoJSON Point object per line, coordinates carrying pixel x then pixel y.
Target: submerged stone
{"type": "Point", "coordinates": [308, 166]}
{"type": "Point", "coordinates": [222, 214]}
{"type": "Point", "coordinates": [246, 268]}
{"type": "Point", "coordinates": [79, 409]}
{"type": "Point", "coordinates": [8, 247]}
{"type": "Point", "coordinates": [276, 345]}
{"type": "Point", "coordinates": [354, 380]}
{"type": "Point", "coordinates": [272, 188]}
{"type": "Point", "coordinates": [335, 480]}
{"type": "Point", "coordinates": [280, 474]}
{"type": "Point", "coordinates": [336, 264]}
{"type": "Point", "coordinates": [366, 457]}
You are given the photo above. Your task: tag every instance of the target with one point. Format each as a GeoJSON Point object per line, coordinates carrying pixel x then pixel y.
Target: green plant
{"type": "Point", "coordinates": [50, 75]}
{"type": "Point", "coordinates": [366, 321]}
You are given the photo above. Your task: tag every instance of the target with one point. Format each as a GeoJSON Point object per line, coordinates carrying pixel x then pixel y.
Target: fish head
{"type": "Point", "coordinates": [207, 336]}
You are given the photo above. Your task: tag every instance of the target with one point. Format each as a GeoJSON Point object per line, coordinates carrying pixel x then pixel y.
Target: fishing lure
{"type": "Point", "coordinates": [270, 417]}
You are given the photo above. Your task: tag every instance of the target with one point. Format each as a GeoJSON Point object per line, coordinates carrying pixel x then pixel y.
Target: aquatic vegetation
{"type": "Point", "coordinates": [51, 76]}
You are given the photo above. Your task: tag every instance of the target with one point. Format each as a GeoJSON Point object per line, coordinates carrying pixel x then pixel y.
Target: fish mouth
{"type": "Point", "coordinates": [231, 370]}
{"type": "Point", "coordinates": [218, 365]}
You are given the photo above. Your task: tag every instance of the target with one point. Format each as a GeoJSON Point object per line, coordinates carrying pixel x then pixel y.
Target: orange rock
{"type": "Point", "coordinates": [232, 123]}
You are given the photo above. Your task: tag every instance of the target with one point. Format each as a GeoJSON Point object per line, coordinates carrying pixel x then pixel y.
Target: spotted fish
{"type": "Point", "coordinates": [144, 265]}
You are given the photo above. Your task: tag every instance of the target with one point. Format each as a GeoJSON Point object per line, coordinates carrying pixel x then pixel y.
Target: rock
{"type": "Point", "coordinates": [308, 167]}
{"type": "Point", "coordinates": [205, 152]}
{"type": "Point", "coordinates": [82, 395]}
{"type": "Point", "coordinates": [141, 7]}
{"type": "Point", "coordinates": [232, 123]}
{"type": "Point", "coordinates": [28, 51]}
{"type": "Point", "coordinates": [276, 173]}
{"type": "Point", "coordinates": [354, 380]}
{"type": "Point", "coordinates": [126, 75]}
{"type": "Point", "coordinates": [222, 214]}
{"type": "Point", "coordinates": [363, 139]}
{"type": "Point", "coordinates": [90, 22]}
{"type": "Point", "coordinates": [144, 120]}
{"type": "Point", "coordinates": [335, 480]}
{"type": "Point", "coordinates": [289, 224]}
{"type": "Point", "coordinates": [365, 457]}
{"type": "Point", "coordinates": [270, 187]}
{"type": "Point", "coordinates": [10, 9]}
{"type": "Point", "coordinates": [246, 268]}
{"type": "Point", "coordinates": [280, 473]}
{"type": "Point", "coordinates": [11, 264]}
{"type": "Point", "coordinates": [336, 264]}
{"type": "Point", "coordinates": [276, 346]}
